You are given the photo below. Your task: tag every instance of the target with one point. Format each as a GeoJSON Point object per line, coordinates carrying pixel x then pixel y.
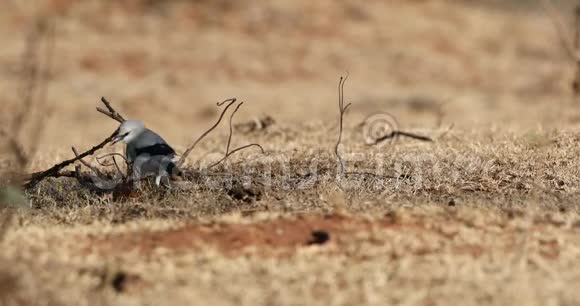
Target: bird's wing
{"type": "Point", "coordinates": [151, 143]}
{"type": "Point", "coordinates": [157, 149]}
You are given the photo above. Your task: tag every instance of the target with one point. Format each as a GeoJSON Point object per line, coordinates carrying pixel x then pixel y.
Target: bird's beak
{"type": "Point", "coordinates": [116, 139]}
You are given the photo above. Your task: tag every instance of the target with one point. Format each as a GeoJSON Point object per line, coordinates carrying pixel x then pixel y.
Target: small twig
{"type": "Point", "coordinates": [102, 177]}
{"type": "Point", "coordinates": [94, 169]}
{"type": "Point", "coordinates": [119, 168]}
{"type": "Point", "coordinates": [449, 129]}
{"type": "Point", "coordinates": [342, 109]}
{"type": "Point", "coordinates": [236, 150]}
{"type": "Point", "coordinates": [102, 164]}
{"type": "Point", "coordinates": [113, 155]}
{"type": "Point", "coordinates": [228, 154]}
{"type": "Point", "coordinates": [231, 127]}
{"type": "Point", "coordinates": [55, 175]}
{"type": "Point", "coordinates": [71, 174]}
{"type": "Point", "coordinates": [229, 102]}
{"type": "Point", "coordinates": [110, 112]}
{"type": "Point", "coordinates": [395, 134]}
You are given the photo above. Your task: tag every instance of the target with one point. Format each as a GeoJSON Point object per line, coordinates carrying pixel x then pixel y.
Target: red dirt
{"type": "Point", "coordinates": [279, 234]}
{"type": "Point", "coordinates": [282, 236]}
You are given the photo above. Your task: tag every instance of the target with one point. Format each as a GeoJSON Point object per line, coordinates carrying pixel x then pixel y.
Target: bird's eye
{"type": "Point", "coordinates": [125, 135]}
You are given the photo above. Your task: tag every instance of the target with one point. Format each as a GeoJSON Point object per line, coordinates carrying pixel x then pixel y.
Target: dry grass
{"type": "Point", "coordinates": [485, 215]}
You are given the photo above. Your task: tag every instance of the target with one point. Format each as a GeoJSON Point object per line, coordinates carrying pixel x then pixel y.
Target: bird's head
{"type": "Point", "coordinates": [128, 130]}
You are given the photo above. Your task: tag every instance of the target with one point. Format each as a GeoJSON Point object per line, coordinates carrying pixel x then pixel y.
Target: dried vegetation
{"type": "Point", "coordinates": [458, 199]}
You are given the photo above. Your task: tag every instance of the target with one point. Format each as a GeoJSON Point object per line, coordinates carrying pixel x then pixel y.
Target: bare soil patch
{"type": "Point", "coordinates": [285, 235]}
{"type": "Point", "coordinates": [271, 236]}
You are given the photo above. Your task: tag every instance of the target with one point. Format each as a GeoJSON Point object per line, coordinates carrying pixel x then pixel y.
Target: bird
{"type": "Point", "coordinates": [148, 152]}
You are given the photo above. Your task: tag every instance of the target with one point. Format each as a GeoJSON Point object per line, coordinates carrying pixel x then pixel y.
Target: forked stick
{"type": "Point", "coordinates": [237, 150]}
{"type": "Point", "coordinates": [228, 153]}
{"type": "Point", "coordinates": [342, 109]}
{"type": "Point", "coordinates": [229, 102]}
{"type": "Point", "coordinates": [231, 127]}
{"type": "Point", "coordinates": [35, 178]}
{"type": "Point", "coordinates": [110, 112]}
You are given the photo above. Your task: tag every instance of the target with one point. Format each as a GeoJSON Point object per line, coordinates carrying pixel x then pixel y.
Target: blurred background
{"type": "Point", "coordinates": [471, 64]}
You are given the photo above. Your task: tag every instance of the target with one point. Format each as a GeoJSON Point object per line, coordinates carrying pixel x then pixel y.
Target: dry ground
{"type": "Point", "coordinates": [486, 214]}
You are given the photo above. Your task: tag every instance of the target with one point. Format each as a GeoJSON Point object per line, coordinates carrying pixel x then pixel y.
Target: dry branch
{"type": "Point", "coordinates": [35, 178]}
{"type": "Point", "coordinates": [229, 103]}
{"type": "Point", "coordinates": [114, 163]}
{"type": "Point", "coordinates": [396, 134]}
{"type": "Point", "coordinates": [119, 171]}
{"type": "Point", "coordinates": [342, 110]}
{"type": "Point", "coordinates": [54, 171]}
{"type": "Point", "coordinates": [110, 111]}
{"type": "Point", "coordinates": [228, 153]}
{"type": "Point", "coordinates": [237, 150]}
{"type": "Point", "coordinates": [231, 127]}
{"type": "Point", "coordinates": [95, 170]}
{"type": "Point", "coordinates": [113, 155]}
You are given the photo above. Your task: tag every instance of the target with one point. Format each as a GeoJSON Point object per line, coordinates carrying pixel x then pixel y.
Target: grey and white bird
{"type": "Point", "coordinates": [149, 154]}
